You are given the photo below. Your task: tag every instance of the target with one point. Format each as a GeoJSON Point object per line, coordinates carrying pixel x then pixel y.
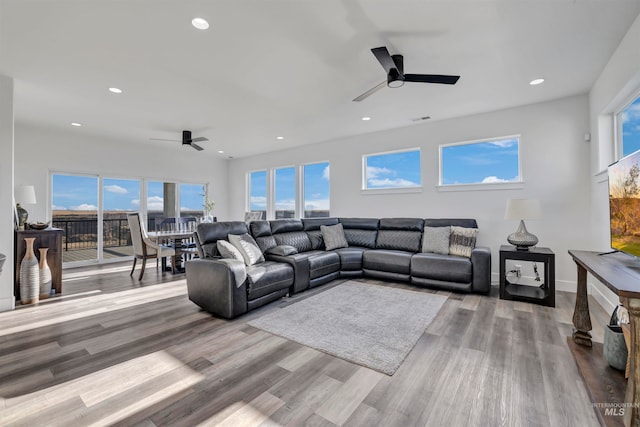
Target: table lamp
{"type": "Point", "coordinates": [24, 194]}
{"type": "Point", "coordinates": [521, 209]}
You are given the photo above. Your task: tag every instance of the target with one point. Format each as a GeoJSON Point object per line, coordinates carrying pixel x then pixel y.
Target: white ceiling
{"type": "Point", "coordinates": [291, 68]}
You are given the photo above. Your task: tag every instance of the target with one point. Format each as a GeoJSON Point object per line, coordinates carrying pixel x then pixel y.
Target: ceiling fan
{"type": "Point", "coordinates": [394, 67]}
{"type": "Point", "coordinates": [186, 140]}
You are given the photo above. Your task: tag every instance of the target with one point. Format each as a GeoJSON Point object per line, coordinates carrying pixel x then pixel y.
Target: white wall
{"type": "Point", "coordinates": [618, 84]}
{"type": "Point", "coordinates": [555, 161]}
{"type": "Point", "coordinates": [37, 151]}
{"type": "Point", "coordinates": [7, 300]}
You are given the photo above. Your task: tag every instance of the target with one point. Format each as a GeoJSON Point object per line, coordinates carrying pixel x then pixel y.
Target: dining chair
{"type": "Point", "coordinates": [252, 216]}
{"type": "Point", "coordinates": [144, 248]}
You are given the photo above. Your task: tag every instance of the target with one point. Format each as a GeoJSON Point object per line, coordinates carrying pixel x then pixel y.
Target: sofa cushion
{"type": "Point", "coordinates": [268, 277]}
{"type": "Point", "coordinates": [460, 222]}
{"type": "Point", "coordinates": [441, 267]}
{"type": "Point", "coordinates": [260, 229]}
{"type": "Point", "coordinates": [309, 224]}
{"type": "Point", "coordinates": [406, 224]}
{"type": "Point", "coordinates": [211, 232]}
{"type": "Point", "coordinates": [247, 247]}
{"type": "Point", "coordinates": [228, 251]}
{"type": "Point", "coordinates": [323, 263]}
{"type": "Point", "coordinates": [350, 258]}
{"type": "Point", "coordinates": [333, 236]}
{"type": "Point", "coordinates": [436, 239]}
{"type": "Point", "coordinates": [400, 240]}
{"type": "Point", "coordinates": [387, 260]}
{"type": "Point", "coordinates": [285, 225]}
{"type": "Point", "coordinates": [282, 250]}
{"type": "Point", "coordinates": [298, 239]}
{"type": "Point", "coordinates": [462, 241]}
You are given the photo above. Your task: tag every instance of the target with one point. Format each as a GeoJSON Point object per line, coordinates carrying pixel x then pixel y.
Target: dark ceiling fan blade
{"type": "Point", "coordinates": [196, 146]}
{"type": "Point", "coordinates": [384, 58]}
{"type": "Point", "coordinates": [371, 91]}
{"type": "Point", "coordinates": [431, 78]}
{"type": "Point", "coordinates": [198, 139]}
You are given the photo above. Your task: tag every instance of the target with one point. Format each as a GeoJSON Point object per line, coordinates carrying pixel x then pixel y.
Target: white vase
{"type": "Point", "coordinates": [45, 275]}
{"type": "Point", "coordinates": [29, 275]}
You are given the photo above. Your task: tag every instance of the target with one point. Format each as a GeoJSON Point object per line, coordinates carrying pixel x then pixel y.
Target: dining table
{"type": "Point", "coordinates": [174, 238]}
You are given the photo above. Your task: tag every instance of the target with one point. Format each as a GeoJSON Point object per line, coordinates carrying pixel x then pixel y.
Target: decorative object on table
{"type": "Point", "coordinates": [521, 209]}
{"type": "Point", "coordinates": [3, 258]}
{"type": "Point", "coordinates": [614, 348]}
{"type": "Point", "coordinates": [208, 206]}
{"type": "Point", "coordinates": [25, 194]}
{"type": "Point", "coordinates": [36, 225]}
{"type": "Point", "coordinates": [45, 274]}
{"type": "Point", "coordinates": [29, 275]}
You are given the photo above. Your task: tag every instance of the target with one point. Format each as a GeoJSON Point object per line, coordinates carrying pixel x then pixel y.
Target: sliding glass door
{"type": "Point", "coordinates": [119, 196]}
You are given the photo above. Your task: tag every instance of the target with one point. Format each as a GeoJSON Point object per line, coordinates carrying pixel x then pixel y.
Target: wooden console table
{"type": "Point", "coordinates": [621, 274]}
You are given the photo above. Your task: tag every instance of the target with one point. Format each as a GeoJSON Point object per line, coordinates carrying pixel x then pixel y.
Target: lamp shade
{"type": "Point", "coordinates": [522, 209]}
{"type": "Point", "coordinates": [25, 194]}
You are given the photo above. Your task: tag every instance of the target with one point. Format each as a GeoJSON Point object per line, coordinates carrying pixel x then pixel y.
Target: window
{"type": "Point", "coordinates": [191, 200]}
{"type": "Point", "coordinates": [285, 192]}
{"type": "Point", "coordinates": [258, 192]}
{"type": "Point", "coordinates": [75, 210]}
{"type": "Point", "coordinates": [629, 120]}
{"type": "Point", "coordinates": [119, 196]}
{"type": "Point", "coordinates": [481, 162]}
{"type": "Point", "coordinates": [316, 190]}
{"type": "Point", "coordinates": [398, 169]}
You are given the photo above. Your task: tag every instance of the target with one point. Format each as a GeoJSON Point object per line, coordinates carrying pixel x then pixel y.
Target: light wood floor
{"type": "Point", "coordinates": [115, 351]}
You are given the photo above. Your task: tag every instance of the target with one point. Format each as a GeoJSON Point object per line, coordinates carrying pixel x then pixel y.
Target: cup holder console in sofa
{"type": "Point", "coordinates": [296, 259]}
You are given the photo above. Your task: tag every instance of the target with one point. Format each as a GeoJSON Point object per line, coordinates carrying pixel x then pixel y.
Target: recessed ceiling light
{"type": "Point", "coordinates": [76, 124]}
{"type": "Point", "coordinates": [366, 119]}
{"type": "Point", "coordinates": [115, 90]}
{"type": "Point", "coordinates": [221, 151]}
{"type": "Point", "coordinates": [200, 23]}
{"type": "Point", "coordinates": [536, 82]}
{"type": "Point", "coordinates": [279, 137]}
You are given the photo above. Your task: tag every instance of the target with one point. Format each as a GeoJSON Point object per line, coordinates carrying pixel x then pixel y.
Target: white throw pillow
{"type": "Point", "coordinates": [247, 247]}
{"type": "Point", "coordinates": [227, 250]}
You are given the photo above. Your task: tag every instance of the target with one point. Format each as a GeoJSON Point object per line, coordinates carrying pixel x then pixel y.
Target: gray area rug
{"type": "Point", "coordinates": [373, 326]}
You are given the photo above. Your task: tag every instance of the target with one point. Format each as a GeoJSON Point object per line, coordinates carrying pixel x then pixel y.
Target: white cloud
{"type": "Point", "coordinates": [154, 203]}
{"type": "Point", "coordinates": [317, 205]}
{"type": "Point", "coordinates": [258, 202]}
{"type": "Point", "coordinates": [58, 208]}
{"type": "Point", "coordinates": [326, 173]}
{"type": "Point", "coordinates": [115, 189]}
{"type": "Point", "coordinates": [84, 207]}
{"type": "Point", "coordinates": [504, 143]}
{"type": "Point", "coordinates": [285, 205]}
{"type": "Point", "coordinates": [374, 172]}
{"type": "Point", "coordinates": [391, 183]}
{"type": "Point", "coordinates": [494, 179]}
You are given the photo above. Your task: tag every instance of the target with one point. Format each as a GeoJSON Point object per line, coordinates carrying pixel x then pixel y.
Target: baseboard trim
{"type": "Point", "coordinates": [602, 299]}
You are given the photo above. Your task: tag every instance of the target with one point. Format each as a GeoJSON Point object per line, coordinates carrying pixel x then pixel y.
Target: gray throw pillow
{"type": "Point", "coordinates": [333, 236]}
{"type": "Point", "coordinates": [436, 240]}
{"type": "Point", "coordinates": [462, 241]}
{"type": "Point", "coordinates": [247, 247]}
{"type": "Point", "coordinates": [227, 250]}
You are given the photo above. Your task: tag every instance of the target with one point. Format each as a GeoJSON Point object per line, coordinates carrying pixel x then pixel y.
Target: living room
{"type": "Point", "coordinates": [566, 138]}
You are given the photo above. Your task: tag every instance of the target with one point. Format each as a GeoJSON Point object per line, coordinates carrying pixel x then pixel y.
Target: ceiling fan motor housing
{"type": "Point", "coordinates": [186, 137]}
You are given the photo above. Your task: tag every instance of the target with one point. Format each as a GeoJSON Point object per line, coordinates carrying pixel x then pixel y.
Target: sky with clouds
{"type": "Point", "coordinates": [631, 128]}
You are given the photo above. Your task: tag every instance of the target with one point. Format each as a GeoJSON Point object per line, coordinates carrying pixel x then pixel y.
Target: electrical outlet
{"type": "Point", "coordinates": [518, 269]}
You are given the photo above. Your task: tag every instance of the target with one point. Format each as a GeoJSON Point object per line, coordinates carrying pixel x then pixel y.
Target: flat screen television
{"type": "Point", "coordinates": [624, 204]}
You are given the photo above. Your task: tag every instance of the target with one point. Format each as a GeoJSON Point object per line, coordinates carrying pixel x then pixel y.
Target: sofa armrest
{"type": "Point", "coordinates": [481, 262]}
{"type": "Point", "coordinates": [300, 264]}
{"type": "Point", "coordinates": [214, 285]}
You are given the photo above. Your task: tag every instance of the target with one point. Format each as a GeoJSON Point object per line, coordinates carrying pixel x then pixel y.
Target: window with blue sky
{"type": "Point", "coordinates": [285, 192]}
{"type": "Point", "coordinates": [630, 123]}
{"type": "Point", "coordinates": [120, 194]}
{"type": "Point", "coordinates": [191, 199]}
{"type": "Point", "coordinates": [155, 196]}
{"type": "Point", "coordinates": [74, 193]}
{"type": "Point", "coordinates": [316, 189]}
{"type": "Point", "coordinates": [399, 169]}
{"type": "Point", "coordinates": [258, 191]}
{"type": "Point", "coordinates": [481, 162]}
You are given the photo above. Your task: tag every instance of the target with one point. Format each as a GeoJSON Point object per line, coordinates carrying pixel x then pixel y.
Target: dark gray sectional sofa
{"type": "Point", "coordinates": [296, 259]}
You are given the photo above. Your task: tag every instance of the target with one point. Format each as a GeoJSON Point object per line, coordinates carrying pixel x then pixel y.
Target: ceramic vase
{"type": "Point", "coordinates": [45, 275]}
{"type": "Point", "coordinates": [29, 275]}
